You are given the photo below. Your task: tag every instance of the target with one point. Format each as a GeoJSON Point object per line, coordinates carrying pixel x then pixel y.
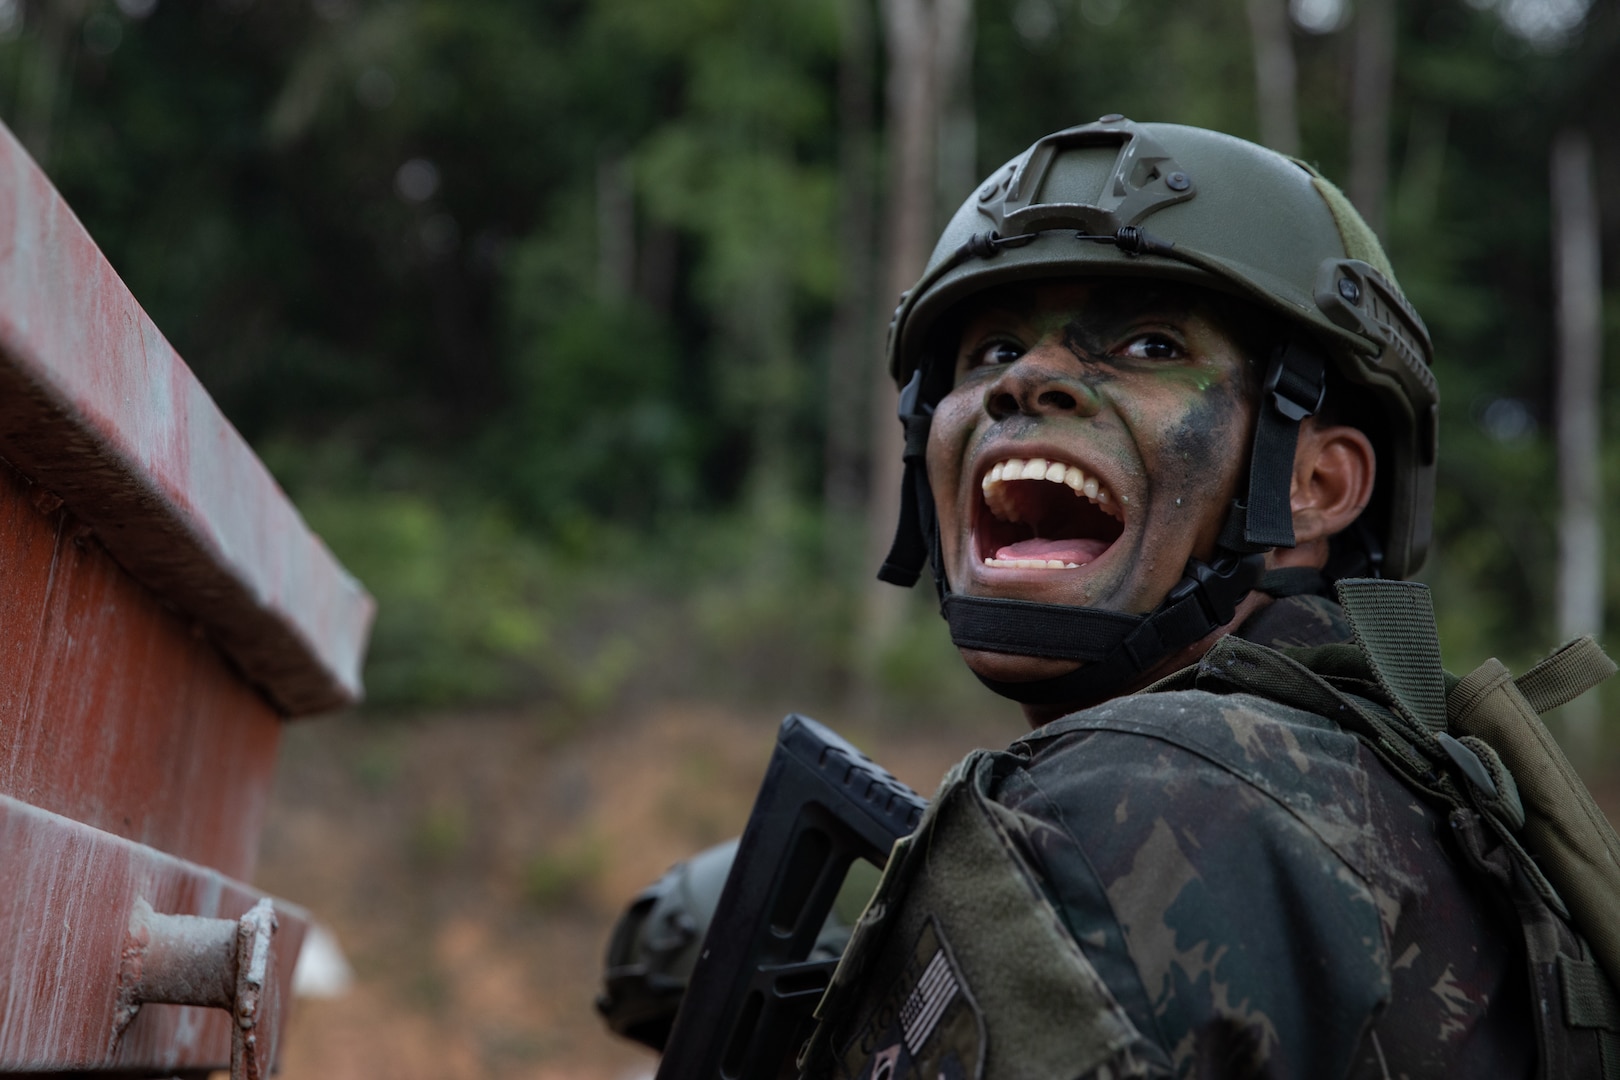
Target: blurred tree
{"type": "Point", "coordinates": [1372, 77]}
{"type": "Point", "coordinates": [925, 40]}
{"type": "Point", "coordinates": [1274, 74]}
{"type": "Point", "coordinates": [1577, 276]}
{"type": "Point", "coordinates": [600, 274]}
{"type": "Point", "coordinates": [854, 334]}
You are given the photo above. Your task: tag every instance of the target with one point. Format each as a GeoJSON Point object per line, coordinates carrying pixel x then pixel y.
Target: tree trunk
{"type": "Point", "coordinates": [615, 229]}
{"type": "Point", "coordinates": [1371, 85]}
{"type": "Point", "coordinates": [855, 342]}
{"type": "Point", "coordinates": [919, 35]}
{"type": "Point", "coordinates": [1274, 74]}
{"type": "Point", "coordinates": [44, 75]}
{"type": "Point", "coordinates": [958, 124]}
{"type": "Point", "coordinates": [1578, 281]}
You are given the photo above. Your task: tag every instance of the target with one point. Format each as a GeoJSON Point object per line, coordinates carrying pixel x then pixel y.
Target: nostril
{"type": "Point", "coordinates": [1001, 405]}
{"type": "Point", "coordinates": [1058, 399]}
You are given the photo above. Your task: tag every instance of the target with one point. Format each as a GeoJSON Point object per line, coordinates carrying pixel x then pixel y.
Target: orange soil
{"type": "Point", "coordinates": [472, 865]}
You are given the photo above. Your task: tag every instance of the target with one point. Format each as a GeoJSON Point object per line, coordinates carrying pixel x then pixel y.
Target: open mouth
{"type": "Point", "coordinates": [1044, 515]}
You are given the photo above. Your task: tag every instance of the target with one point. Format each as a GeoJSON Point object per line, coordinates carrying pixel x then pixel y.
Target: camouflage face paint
{"type": "Point", "coordinates": [1139, 389]}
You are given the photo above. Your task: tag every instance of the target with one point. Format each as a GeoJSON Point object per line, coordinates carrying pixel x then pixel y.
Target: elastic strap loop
{"type": "Point", "coordinates": [1573, 669]}
{"type": "Point", "coordinates": [1589, 1001]}
{"type": "Point", "coordinates": [1295, 384]}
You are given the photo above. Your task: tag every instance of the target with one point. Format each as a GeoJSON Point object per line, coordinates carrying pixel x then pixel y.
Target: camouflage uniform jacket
{"type": "Point", "coordinates": [1236, 887]}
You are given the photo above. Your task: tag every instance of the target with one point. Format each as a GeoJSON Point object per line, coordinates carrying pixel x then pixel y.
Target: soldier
{"type": "Point", "coordinates": [1171, 390]}
{"type": "Point", "coordinates": [1161, 391]}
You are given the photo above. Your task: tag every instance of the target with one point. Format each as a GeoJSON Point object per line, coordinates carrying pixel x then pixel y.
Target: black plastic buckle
{"type": "Point", "coordinates": [909, 394]}
{"type": "Point", "coordinates": [915, 419]}
{"type": "Point", "coordinates": [1308, 376]}
{"type": "Point", "coordinates": [1220, 587]}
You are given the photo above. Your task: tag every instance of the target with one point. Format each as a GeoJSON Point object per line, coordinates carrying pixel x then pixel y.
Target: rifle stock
{"type": "Point", "coordinates": [747, 1007]}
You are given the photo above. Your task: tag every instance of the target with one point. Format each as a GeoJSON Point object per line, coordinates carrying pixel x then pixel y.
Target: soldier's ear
{"type": "Point", "coordinates": [1334, 466]}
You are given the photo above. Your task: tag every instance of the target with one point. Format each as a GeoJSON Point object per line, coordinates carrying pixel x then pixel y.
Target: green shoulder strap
{"type": "Point", "coordinates": [1394, 627]}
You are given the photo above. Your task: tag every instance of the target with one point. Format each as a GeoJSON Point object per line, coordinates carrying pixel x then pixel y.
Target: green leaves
{"type": "Point", "coordinates": [607, 315]}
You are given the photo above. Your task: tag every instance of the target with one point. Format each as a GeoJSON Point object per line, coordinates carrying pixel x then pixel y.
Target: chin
{"type": "Point", "coordinates": [1005, 667]}
{"type": "Point", "coordinates": [1008, 667]}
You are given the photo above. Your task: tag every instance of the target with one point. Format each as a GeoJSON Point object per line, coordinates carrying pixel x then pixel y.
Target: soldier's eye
{"type": "Point", "coordinates": [1153, 347]}
{"type": "Point", "coordinates": [995, 352]}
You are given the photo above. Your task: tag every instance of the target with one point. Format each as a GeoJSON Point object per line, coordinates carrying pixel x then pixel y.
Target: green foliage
{"type": "Point", "coordinates": [528, 304]}
{"type": "Point", "coordinates": [460, 612]}
{"type": "Point", "coordinates": [591, 427]}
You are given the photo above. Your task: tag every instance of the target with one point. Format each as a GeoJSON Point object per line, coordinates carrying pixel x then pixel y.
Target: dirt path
{"type": "Point", "coordinates": [471, 867]}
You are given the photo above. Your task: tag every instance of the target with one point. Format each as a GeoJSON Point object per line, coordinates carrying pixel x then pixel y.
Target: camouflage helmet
{"type": "Point", "coordinates": [1165, 201]}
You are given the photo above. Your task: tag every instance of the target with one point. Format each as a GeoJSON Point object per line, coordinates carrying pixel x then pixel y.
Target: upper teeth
{"type": "Point", "coordinates": [1039, 469]}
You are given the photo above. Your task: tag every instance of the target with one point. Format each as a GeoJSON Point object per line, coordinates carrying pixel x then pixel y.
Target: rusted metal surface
{"type": "Point", "coordinates": [176, 960]}
{"type": "Point", "coordinates": [77, 949]}
{"type": "Point", "coordinates": [258, 1003]}
{"type": "Point", "coordinates": [215, 963]}
{"type": "Point", "coordinates": [112, 710]}
{"type": "Point", "coordinates": [96, 407]}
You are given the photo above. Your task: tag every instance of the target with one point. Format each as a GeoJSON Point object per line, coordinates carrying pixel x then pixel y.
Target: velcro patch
{"type": "Point", "coordinates": [927, 1025]}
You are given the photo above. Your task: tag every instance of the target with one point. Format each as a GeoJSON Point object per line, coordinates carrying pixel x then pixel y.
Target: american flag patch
{"type": "Point", "coordinates": [927, 1002]}
{"type": "Point", "coordinates": [925, 1026]}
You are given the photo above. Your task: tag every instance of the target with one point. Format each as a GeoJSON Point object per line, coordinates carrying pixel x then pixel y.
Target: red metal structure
{"type": "Point", "coordinates": [163, 610]}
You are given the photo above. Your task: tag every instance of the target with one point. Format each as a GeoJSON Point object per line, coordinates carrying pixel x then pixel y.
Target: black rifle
{"type": "Point", "coordinates": [748, 1006]}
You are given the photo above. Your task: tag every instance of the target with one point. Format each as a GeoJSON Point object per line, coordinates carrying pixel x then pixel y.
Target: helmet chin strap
{"type": "Point", "coordinates": [1117, 650]}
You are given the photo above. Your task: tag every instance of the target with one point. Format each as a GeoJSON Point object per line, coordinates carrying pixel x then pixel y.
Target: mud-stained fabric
{"type": "Point", "coordinates": [1297, 622]}
{"type": "Point", "coordinates": [961, 969]}
{"type": "Point", "coordinates": [1256, 892]}
{"type": "Point", "coordinates": [1264, 899]}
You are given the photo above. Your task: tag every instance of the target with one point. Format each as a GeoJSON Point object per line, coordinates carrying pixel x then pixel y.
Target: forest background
{"type": "Point", "coordinates": [562, 321]}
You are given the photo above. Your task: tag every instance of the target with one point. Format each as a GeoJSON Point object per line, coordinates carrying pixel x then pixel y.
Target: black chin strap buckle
{"type": "Point", "coordinates": [1295, 384]}
{"type": "Point", "coordinates": [1203, 601]}
{"type": "Point", "coordinates": [1219, 587]}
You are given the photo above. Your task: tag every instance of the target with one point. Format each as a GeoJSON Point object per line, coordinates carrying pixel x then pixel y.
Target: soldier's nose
{"type": "Point", "coordinates": [1035, 386]}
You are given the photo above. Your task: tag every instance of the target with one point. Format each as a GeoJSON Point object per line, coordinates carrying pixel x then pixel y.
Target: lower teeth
{"type": "Point", "coordinates": [1032, 564]}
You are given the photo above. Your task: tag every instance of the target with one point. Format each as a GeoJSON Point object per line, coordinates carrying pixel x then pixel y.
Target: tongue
{"type": "Point", "coordinates": [1079, 551]}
